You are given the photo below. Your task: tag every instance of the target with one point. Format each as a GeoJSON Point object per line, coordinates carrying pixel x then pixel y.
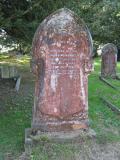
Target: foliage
{"type": "Point", "coordinates": [21, 18]}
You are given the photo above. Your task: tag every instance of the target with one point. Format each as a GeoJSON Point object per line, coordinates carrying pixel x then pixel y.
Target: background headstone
{"type": "Point", "coordinates": [61, 61]}
{"type": "Point", "coordinates": [5, 72]}
{"type": "Point", "coordinates": [118, 55]}
{"type": "Point", "coordinates": [8, 72]}
{"type": "Point", "coordinates": [109, 60]}
{"type": "Point", "coordinates": [17, 85]}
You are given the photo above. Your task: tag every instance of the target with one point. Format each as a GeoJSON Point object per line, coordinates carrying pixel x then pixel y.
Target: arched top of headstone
{"type": "Point", "coordinates": [62, 22]}
{"type": "Point", "coordinates": [109, 48]}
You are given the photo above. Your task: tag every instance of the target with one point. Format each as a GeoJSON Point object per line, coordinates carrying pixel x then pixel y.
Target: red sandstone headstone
{"type": "Point", "coordinates": [109, 60]}
{"type": "Point", "coordinates": [61, 61]}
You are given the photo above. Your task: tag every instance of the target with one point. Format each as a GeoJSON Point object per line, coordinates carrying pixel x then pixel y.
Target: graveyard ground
{"type": "Point", "coordinates": [16, 109]}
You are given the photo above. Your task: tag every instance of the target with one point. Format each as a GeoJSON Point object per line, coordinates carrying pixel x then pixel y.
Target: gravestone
{"type": "Point", "coordinates": [109, 61]}
{"type": "Point", "coordinates": [61, 61]}
{"type": "Point", "coordinates": [10, 74]}
{"type": "Point", "coordinates": [118, 55]}
{"type": "Point", "coordinates": [5, 72]}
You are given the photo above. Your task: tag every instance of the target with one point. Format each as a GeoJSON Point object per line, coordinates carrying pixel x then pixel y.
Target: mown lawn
{"type": "Point", "coordinates": [16, 109]}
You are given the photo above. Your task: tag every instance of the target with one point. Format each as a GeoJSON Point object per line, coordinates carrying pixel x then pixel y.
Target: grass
{"type": "Point", "coordinates": [102, 119]}
{"type": "Point", "coordinates": [16, 109]}
{"type": "Point", "coordinates": [55, 150]}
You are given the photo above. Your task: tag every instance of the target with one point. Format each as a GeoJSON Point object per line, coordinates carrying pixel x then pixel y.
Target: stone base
{"type": "Point", "coordinates": [60, 125]}
{"type": "Point", "coordinates": [35, 137]}
{"type": "Point", "coordinates": [109, 76]}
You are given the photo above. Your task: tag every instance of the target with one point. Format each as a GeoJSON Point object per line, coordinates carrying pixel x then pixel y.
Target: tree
{"type": "Point", "coordinates": [20, 18]}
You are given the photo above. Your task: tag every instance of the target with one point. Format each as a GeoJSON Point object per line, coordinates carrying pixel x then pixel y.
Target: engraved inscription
{"type": "Point", "coordinates": [64, 59]}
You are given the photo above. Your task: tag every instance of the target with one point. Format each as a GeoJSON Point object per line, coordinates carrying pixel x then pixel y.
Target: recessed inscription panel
{"type": "Point", "coordinates": [64, 58]}
{"type": "Point", "coordinates": [64, 76]}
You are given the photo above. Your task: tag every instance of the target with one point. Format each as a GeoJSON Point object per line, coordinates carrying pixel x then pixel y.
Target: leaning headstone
{"type": "Point", "coordinates": [17, 85]}
{"type": "Point", "coordinates": [109, 61]}
{"type": "Point", "coordinates": [61, 61]}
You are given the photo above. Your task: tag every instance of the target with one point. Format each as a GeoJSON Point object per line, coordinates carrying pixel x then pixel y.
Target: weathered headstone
{"type": "Point", "coordinates": [17, 85]}
{"type": "Point", "coordinates": [109, 61]}
{"type": "Point", "coordinates": [8, 72]}
{"type": "Point", "coordinates": [118, 55]}
{"type": "Point", "coordinates": [61, 61]}
{"type": "Point", "coordinates": [5, 72]}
